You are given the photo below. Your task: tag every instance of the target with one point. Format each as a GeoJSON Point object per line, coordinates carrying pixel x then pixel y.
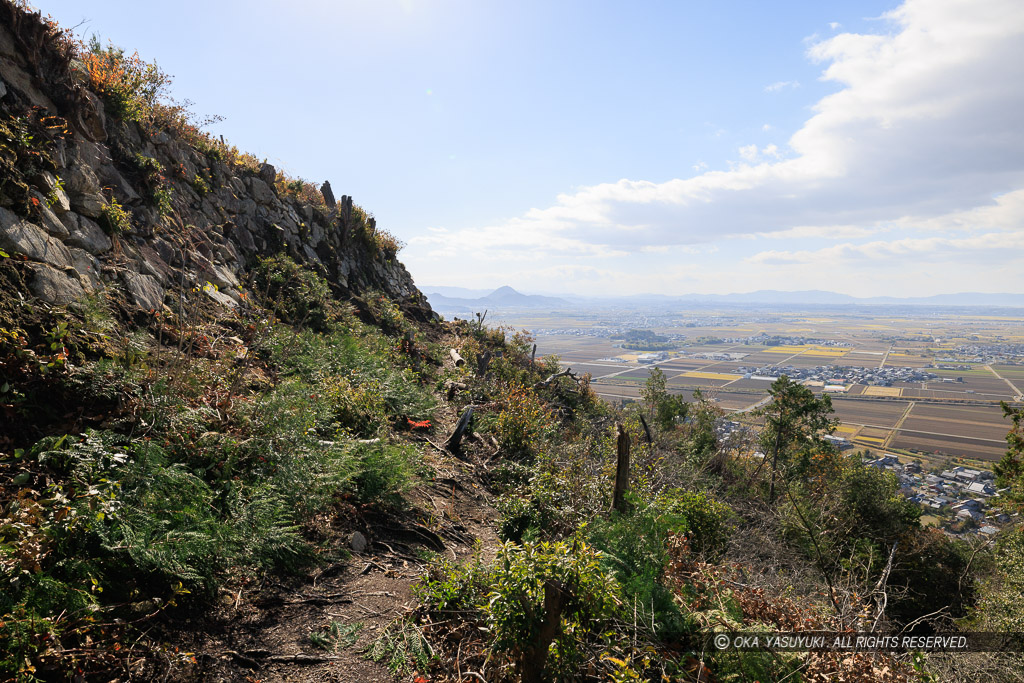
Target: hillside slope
{"type": "Point", "coordinates": [237, 445]}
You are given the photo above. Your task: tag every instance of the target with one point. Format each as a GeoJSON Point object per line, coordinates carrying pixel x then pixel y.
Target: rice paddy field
{"type": "Point", "coordinates": [956, 413]}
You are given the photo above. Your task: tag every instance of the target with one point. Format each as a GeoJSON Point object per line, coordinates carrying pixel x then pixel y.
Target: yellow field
{"type": "Point", "coordinates": [785, 349]}
{"type": "Point", "coordinates": [847, 429]}
{"type": "Point", "coordinates": [870, 439]}
{"type": "Point", "coordinates": [882, 391]}
{"type": "Point", "coordinates": [710, 375]}
{"type": "Point", "coordinates": [629, 356]}
{"type": "Point", "coordinates": [831, 353]}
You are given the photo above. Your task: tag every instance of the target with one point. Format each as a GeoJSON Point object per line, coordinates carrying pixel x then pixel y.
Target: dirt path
{"type": "Point", "coordinates": [896, 427]}
{"type": "Point", "coordinates": [1017, 393]}
{"type": "Point", "coordinates": [265, 636]}
{"type": "Point", "coordinates": [886, 356]}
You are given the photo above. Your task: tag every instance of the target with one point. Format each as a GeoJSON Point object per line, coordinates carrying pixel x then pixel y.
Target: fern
{"type": "Point", "coordinates": [336, 636]}
{"type": "Point", "coordinates": [402, 648]}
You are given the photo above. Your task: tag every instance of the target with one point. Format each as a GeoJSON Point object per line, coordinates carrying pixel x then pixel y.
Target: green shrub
{"type": "Point", "coordinates": [708, 522]}
{"type": "Point", "coordinates": [358, 373]}
{"type": "Point", "coordinates": [447, 586]}
{"type": "Point", "coordinates": [385, 472]}
{"type": "Point", "coordinates": [130, 87]}
{"type": "Point", "coordinates": [666, 408]}
{"type": "Point", "coordinates": [521, 422]}
{"type": "Point", "coordinates": [523, 577]}
{"type": "Point", "coordinates": [521, 517]}
{"type": "Point", "coordinates": [634, 547]}
{"type": "Point", "coordinates": [200, 185]}
{"type": "Point", "coordinates": [336, 636]}
{"type": "Point", "coordinates": [114, 219]}
{"type": "Point", "coordinates": [295, 294]}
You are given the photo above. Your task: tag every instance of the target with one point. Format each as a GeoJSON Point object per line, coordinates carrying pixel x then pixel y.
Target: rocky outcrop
{"type": "Point", "coordinates": [95, 202]}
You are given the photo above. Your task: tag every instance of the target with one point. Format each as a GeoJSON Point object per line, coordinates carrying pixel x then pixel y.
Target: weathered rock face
{"type": "Point", "coordinates": [204, 221]}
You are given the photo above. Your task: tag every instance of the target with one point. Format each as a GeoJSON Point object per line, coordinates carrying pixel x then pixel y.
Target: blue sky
{"type": "Point", "coordinates": [604, 147]}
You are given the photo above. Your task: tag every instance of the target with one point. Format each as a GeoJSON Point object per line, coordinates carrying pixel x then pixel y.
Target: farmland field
{"type": "Point", "coordinates": [960, 417]}
{"type": "Point", "coordinates": [869, 413]}
{"type": "Point", "coordinates": [949, 445]}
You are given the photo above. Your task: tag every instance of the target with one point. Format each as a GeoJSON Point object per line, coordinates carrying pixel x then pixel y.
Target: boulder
{"type": "Point", "coordinates": [88, 268]}
{"type": "Point", "coordinates": [152, 263]}
{"type": "Point", "coordinates": [93, 155]}
{"type": "Point", "coordinates": [89, 117]}
{"type": "Point", "coordinates": [268, 174]}
{"type": "Point", "coordinates": [54, 286]}
{"type": "Point", "coordinates": [244, 239]}
{"type": "Point", "coordinates": [21, 236]}
{"type": "Point", "coordinates": [144, 290]}
{"type": "Point", "coordinates": [48, 219]}
{"type": "Point", "coordinates": [261, 192]}
{"type": "Point", "coordinates": [86, 234]}
{"type": "Point", "coordinates": [220, 297]}
{"type": "Point", "coordinates": [48, 184]}
{"type": "Point", "coordinates": [90, 205]}
{"type": "Point", "coordinates": [112, 178]}
{"type": "Point", "coordinates": [168, 252]}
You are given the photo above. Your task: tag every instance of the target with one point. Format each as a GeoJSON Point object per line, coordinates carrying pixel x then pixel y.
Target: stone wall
{"type": "Point", "coordinates": [215, 220]}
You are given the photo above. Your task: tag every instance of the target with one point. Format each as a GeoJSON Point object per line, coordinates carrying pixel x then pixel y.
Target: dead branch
{"type": "Point", "coordinates": [564, 373]}
{"type": "Point", "coordinates": [647, 430]}
{"type": "Point", "coordinates": [880, 586]}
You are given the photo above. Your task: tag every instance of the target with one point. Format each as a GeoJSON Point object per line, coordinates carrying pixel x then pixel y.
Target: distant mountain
{"type": "Point", "coordinates": [501, 298]}
{"type": "Point", "coordinates": [452, 299]}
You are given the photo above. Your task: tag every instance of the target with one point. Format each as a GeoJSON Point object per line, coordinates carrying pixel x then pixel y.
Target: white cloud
{"type": "Point", "coordinates": [922, 140]}
{"type": "Point", "coordinates": [781, 85]}
{"type": "Point", "coordinates": [834, 232]}
{"type": "Point", "coordinates": [990, 247]}
{"type": "Point", "coordinates": [834, 25]}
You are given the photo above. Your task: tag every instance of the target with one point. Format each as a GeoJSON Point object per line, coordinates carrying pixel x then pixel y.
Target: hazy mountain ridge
{"type": "Point", "coordinates": [503, 298]}
{"type": "Point", "coordinates": [507, 297]}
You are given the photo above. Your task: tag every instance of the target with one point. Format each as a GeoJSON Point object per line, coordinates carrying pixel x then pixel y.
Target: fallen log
{"type": "Point", "coordinates": [459, 360]}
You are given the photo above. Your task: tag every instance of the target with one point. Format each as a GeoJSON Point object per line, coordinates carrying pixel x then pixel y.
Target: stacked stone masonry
{"type": "Point", "coordinates": [205, 238]}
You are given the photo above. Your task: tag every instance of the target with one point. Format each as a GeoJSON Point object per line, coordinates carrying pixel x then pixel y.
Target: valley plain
{"type": "Point", "coordinates": [916, 380]}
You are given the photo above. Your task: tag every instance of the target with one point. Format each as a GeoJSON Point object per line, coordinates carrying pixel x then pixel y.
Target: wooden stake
{"type": "Point", "coordinates": [621, 471]}
{"type": "Point", "coordinates": [454, 442]}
